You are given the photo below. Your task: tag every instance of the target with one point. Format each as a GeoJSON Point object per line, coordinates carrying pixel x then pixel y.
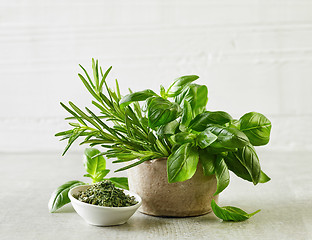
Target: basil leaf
{"type": "Point", "coordinates": [208, 162]}
{"type": "Point", "coordinates": [180, 98]}
{"type": "Point", "coordinates": [100, 175]}
{"type": "Point", "coordinates": [197, 96]}
{"type": "Point", "coordinates": [94, 165]}
{"type": "Point", "coordinates": [121, 182]}
{"type": "Point", "coordinates": [228, 138]}
{"type": "Point", "coordinates": [186, 115]}
{"type": "Point", "coordinates": [182, 163]}
{"type": "Point", "coordinates": [264, 178]}
{"type": "Point", "coordinates": [201, 121]}
{"type": "Point", "coordinates": [168, 129]}
{"type": "Point", "coordinates": [229, 213]}
{"type": "Point", "coordinates": [222, 174]}
{"type": "Point", "coordinates": [180, 84]}
{"type": "Point", "coordinates": [249, 159]}
{"type": "Point", "coordinates": [205, 138]}
{"type": "Point", "coordinates": [256, 127]}
{"type": "Point", "coordinates": [239, 170]}
{"type": "Point", "coordinates": [60, 196]}
{"type": "Point", "coordinates": [161, 111]}
{"type": "Point", "coordinates": [136, 96]}
{"type": "Point", "coordinates": [184, 137]}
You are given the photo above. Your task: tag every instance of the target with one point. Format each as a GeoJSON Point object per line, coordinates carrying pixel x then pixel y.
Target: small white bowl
{"type": "Point", "coordinates": [103, 216]}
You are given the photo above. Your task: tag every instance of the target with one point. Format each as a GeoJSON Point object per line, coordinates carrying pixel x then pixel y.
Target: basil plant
{"type": "Point", "coordinates": [173, 123]}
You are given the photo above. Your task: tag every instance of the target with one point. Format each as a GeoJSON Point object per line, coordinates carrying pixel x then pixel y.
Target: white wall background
{"type": "Point", "coordinates": [253, 56]}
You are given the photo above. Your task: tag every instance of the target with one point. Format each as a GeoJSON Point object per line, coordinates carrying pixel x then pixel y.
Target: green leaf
{"type": "Point", "coordinates": [75, 134]}
{"type": "Point", "coordinates": [180, 84]}
{"type": "Point", "coordinates": [90, 81]}
{"type": "Point", "coordinates": [79, 119]}
{"type": "Point", "coordinates": [201, 121]}
{"type": "Point", "coordinates": [180, 98]}
{"type": "Point", "coordinates": [197, 96]}
{"type": "Point", "coordinates": [94, 164]}
{"type": "Point", "coordinates": [133, 164]}
{"type": "Point", "coordinates": [228, 138]}
{"type": "Point", "coordinates": [136, 96]}
{"type": "Point", "coordinates": [249, 158]}
{"type": "Point", "coordinates": [117, 89]}
{"type": "Point", "coordinates": [60, 196]}
{"type": "Point", "coordinates": [235, 165]}
{"type": "Point", "coordinates": [95, 68]}
{"type": "Point", "coordinates": [184, 137]}
{"type": "Point", "coordinates": [208, 162]}
{"type": "Point", "coordinates": [182, 164]}
{"type": "Point", "coordinates": [121, 182]}
{"type": "Point", "coordinates": [256, 127]}
{"type": "Point", "coordinates": [162, 91]}
{"type": "Point", "coordinates": [89, 88]}
{"type": "Point", "coordinates": [186, 115]}
{"type": "Point", "coordinates": [264, 178]}
{"type": "Point", "coordinates": [161, 111]}
{"type": "Point", "coordinates": [222, 174]}
{"type": "Point", "coordinates": [104, 79]}
{"type": "Point", "coordinates": [205, 138]}
{"type": "Point", "coordinates": [100, 175]}
{"type": "Point", "coordinates": [168, 129]}
{"type": "Point", "coordinates": [229, 213]}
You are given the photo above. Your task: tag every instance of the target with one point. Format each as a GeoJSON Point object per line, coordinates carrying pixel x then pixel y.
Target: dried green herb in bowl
{"type": "Point", "coordinates": [105, 194]}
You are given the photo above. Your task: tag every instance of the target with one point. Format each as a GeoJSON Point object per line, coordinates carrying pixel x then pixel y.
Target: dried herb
{"type": "Point", "coordinates": [95, 165]}
{"type": "Point", "coordinates": [105, 194]}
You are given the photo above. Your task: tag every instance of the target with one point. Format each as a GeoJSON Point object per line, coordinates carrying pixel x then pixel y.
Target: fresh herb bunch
{"type": "Point", "coordinates": [173, 124]}
{"type": "Point", "coordinates": [96, 170]}
{"type": "Point", "coordinates": [105, 194]}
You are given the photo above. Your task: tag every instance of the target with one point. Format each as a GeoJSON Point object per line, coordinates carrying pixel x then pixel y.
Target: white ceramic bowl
{"type": "Point", "coordinates": [103, 216]}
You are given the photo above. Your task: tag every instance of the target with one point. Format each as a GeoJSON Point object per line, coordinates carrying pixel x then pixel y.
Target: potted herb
{"type": "Point", "coordinates": [169, 140]}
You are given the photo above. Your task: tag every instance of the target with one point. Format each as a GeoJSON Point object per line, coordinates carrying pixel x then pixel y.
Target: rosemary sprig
{"type": "Point", "coordinates": [129, 137]}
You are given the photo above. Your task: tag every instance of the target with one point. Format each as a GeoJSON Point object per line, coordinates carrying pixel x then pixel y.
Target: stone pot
{"type": "Point", "coordinates": [160, 198]}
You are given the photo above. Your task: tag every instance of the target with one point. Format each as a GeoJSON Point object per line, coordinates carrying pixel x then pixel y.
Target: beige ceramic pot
{"type": "Point", "coordinates": [160, 198]}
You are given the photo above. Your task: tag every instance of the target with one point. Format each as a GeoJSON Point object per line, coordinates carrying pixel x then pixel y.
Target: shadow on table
{"type": "Point", "coordinates": [68, 208]}
{"type": "Point", "coordinates": [143, 222]}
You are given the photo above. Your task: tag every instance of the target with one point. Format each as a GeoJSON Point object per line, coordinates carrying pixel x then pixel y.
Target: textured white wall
{"type": "Point", "coordinates": [253, 55]}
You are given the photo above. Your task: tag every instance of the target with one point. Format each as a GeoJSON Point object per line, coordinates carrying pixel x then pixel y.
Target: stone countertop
{"type": "Point", "coordinates": [27, 180]}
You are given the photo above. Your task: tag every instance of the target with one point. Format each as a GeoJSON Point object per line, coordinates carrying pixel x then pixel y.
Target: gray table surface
{"type": "Point", "coordinates": [27, 181]}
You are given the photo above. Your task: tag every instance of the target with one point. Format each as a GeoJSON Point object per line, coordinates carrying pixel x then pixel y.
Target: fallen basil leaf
{"type": "Point", "coordinates": [229, 213]}
{"type": "Point", "coordinates": [60, 196]}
